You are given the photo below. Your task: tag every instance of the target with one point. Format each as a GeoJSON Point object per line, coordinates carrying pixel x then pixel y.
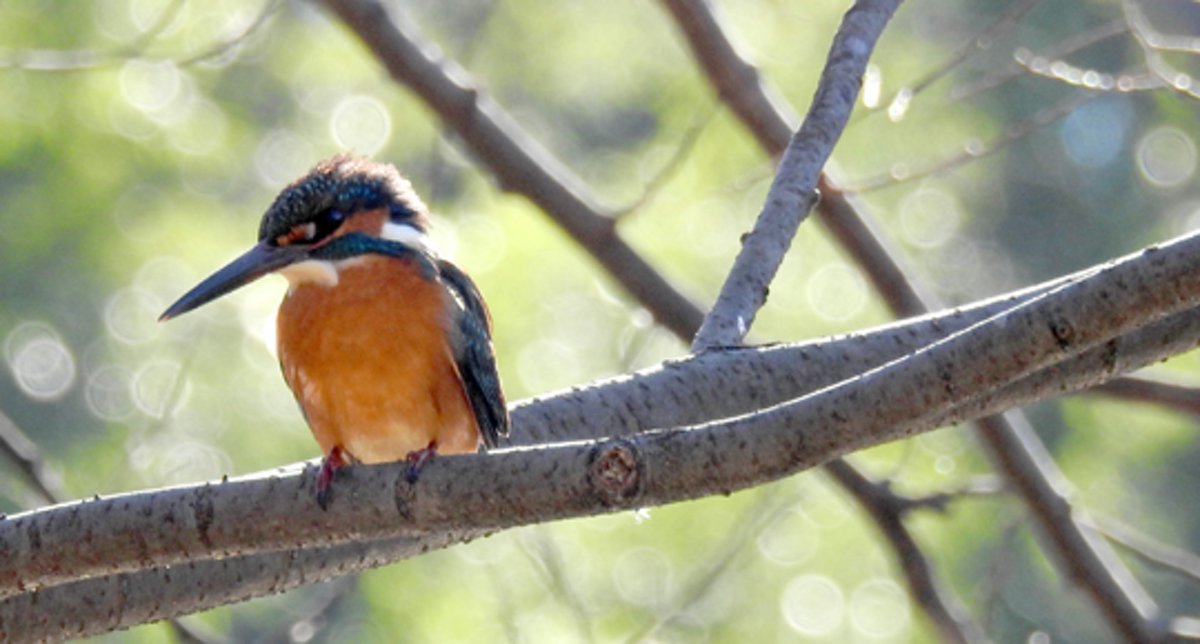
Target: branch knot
{"type": "Point", "coordinates": [615, 472]}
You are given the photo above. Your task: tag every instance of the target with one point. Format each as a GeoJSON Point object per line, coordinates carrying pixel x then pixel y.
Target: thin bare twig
{"type": "Point", "coordinates": [1086, 78]}
{"type": "Point", "coordinates": [260, 20]}
{"type": "Point", "coordinates": [765, 510]}
{"type": "Point", "coordinates": [1148, 548]}
{"type": "Point", "coordinates": [1013, 70]}
{"type": "Point", "coordinates": [975, 149]}
{"type": "Point", "coordinates": [898, 103]}
{"type": "Point", "coordinates": [983, 486]}
{"type": "Point", "coordinates": [547, 559]}
{"type": "Point", "coordinates": [75, 60]}
{"type": "Point", "coordinates": [1147, 37]}
{"type": "Point", "coordinates": [682, 148]}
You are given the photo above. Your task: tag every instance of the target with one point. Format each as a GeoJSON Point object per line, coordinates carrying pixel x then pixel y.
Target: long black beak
{"type": "Point", "coordinates": [253, 264]}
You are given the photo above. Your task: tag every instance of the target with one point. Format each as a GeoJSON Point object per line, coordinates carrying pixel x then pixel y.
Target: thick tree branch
{"type": "Point", "coordinates": [680, 392]}
{"type": "Point", "coordinates": [794, 191]}
{"type": "Point", "coordinates": [113, 602]}
{"type": "Point", "coordinates": [517, 487]}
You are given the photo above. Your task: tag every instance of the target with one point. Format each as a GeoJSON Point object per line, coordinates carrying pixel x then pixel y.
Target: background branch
{"type": "Point", "coordinates": [1088, 562]}
{"type": "Point", "coordinates": [513, 158]}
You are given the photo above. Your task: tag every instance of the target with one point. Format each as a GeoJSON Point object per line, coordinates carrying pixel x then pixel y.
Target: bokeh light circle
{"type": "Point", "coordinates": [157, 390]}
{"type": "Point", "coordinates": [108, 393]}
{"type": "Point", "coordinates": [150, 85]}
{"type": "Point", "coordinates": [1094, 134]}
{"type": "Point", "coordinates": [790, 540]}
{"type": "Point", "coordinates": [929, 218]}
{"type": "Point", "coordinates": [643, 576]}
{"type": "Point", "coordinates": [1166, 157]}
{"type": "Point", "coordinates": [41, 363]}
{"type": "Point", "coordinates": [837, 292]}
{"type": "Point", "coordinates": [131, 315]}
{"type": "Point", "coordinates": [879, 609]}
{"type": "Point", "coordinates": [813, 605]}
{"type": "Point", "coordinates": [361, 124]}
{"type": "Point", "coordinates": [281, 157]}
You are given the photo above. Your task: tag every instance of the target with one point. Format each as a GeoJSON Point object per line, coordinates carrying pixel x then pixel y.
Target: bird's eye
{"type": "Point", "coordinates": [317, 229]}
{"type": "Point", "coordinates": [327, 222]}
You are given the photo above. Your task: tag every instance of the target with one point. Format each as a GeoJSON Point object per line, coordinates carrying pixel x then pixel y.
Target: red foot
{"type": "Point", "coordinates": [418, 459]}
{"type": "Point", "coordinates": [332, 461]}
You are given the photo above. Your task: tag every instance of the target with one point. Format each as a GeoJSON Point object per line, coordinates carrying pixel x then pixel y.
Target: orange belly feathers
{"type": "Point", "coordinates": [377, 396]}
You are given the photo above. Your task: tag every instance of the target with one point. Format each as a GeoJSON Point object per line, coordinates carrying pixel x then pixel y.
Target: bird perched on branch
{"type": "Point", "coordinates": [386, 347]}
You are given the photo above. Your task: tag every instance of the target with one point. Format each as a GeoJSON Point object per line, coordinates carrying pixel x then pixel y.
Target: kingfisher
{"type": "Point", "coordinates": [386, 346]}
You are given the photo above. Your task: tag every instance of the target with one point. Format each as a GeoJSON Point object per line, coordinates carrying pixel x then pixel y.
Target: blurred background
{"type": "Point", "coordinates": [140, 141]}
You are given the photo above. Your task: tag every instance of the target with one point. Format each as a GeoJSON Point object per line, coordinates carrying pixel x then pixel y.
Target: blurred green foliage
{"type": "Point", "coordinates": [126, 178]}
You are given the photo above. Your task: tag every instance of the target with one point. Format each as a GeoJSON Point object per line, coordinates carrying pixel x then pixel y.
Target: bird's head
{"type": "Point", "coordinates": [335, 213]}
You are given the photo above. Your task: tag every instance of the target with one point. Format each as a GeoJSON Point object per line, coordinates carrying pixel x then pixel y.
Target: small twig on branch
{"type": "Point", "coordinates": [1152, 390]}
{"type": "Point", "coordinates": [794, 191]}
{"type": "Point", "coordinates": [886, 510]}
{"type": "Point", "coordinates": [983, 486]}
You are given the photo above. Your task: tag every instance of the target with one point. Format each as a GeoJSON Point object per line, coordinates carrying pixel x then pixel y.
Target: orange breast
{"type": "Point", "coordinates": [369, 363]}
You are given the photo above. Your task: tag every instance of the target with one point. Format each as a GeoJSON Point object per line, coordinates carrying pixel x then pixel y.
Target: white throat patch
{"type": "Point", "coordinates": [310, 271]}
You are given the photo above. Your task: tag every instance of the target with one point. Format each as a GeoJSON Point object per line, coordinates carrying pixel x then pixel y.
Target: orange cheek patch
{"type": "Point", "coordinates": [369, 222]}
{"type": "Point", "coordinates": [301, 233]}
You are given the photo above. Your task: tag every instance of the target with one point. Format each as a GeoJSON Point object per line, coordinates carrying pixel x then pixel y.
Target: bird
{"type": "Point", "coordinates": [386, 346]}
